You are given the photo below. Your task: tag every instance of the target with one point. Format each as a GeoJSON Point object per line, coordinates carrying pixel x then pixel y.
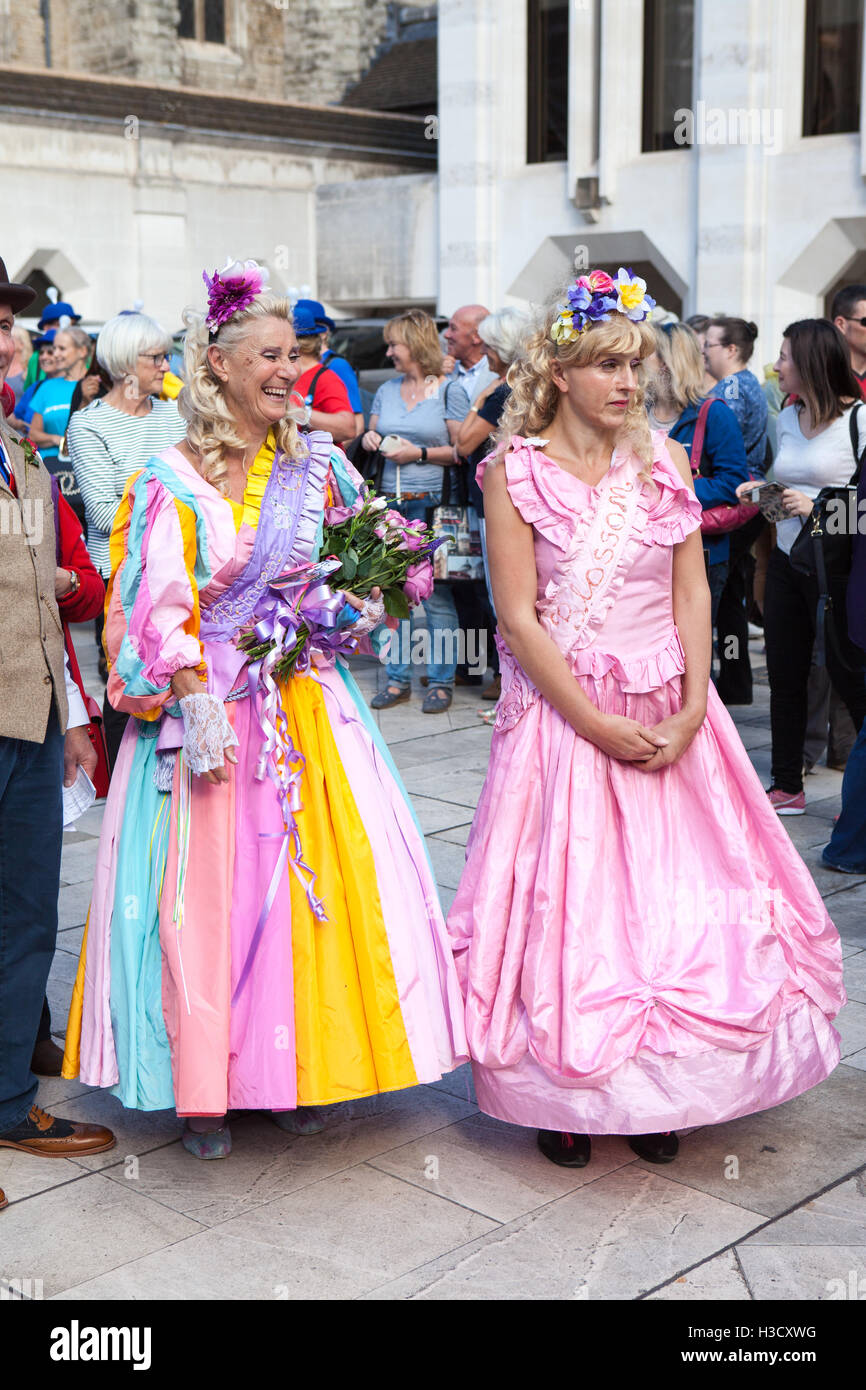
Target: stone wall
{"type": "Point", "coordinates": [299, 50]}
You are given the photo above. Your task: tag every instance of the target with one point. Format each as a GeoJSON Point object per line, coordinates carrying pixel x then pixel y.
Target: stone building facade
{"type": "Point", "coordinates": [293, 50]}
{"type": "Point", "coordinates": [133, 156]}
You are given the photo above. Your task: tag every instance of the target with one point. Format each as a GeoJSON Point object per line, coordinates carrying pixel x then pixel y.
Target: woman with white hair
{"type": "Point", "coordinates": [114, 436]}
{"type": "Point", "coordinates": [265, 932]}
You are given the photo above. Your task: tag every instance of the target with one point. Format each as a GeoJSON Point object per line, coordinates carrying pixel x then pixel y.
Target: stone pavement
{"type": "Point", "coordinates": [417, 1195]}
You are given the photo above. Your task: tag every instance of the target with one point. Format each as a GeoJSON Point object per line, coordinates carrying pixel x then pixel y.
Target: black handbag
{"type": "Point", "coordinates": [824, 547]}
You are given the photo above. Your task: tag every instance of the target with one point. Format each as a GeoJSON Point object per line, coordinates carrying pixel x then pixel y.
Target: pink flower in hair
{"type": "Point", "coordinates": [232, 289]}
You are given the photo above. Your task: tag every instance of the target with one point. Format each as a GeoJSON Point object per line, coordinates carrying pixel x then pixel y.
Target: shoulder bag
{"type": "Point", "coordinates": [728, 516]}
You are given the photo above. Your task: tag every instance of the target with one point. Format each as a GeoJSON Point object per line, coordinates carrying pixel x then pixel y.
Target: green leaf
{"type": "Point", "coordinates": [350, 565]}
{"type": "Point", "coordinates": [396, 603]}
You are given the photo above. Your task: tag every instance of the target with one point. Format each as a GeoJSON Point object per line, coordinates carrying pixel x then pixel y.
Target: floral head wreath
{"type": "Point", "coordinates": [231, 290]}
{"type": "Point", "coordinates": [594, 297]}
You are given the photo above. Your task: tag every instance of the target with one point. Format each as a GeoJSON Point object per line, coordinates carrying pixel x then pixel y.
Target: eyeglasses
{"type": "Point", "coordinates": [154, 357]}
{"type": "Point", "coordinates": [848, 319]}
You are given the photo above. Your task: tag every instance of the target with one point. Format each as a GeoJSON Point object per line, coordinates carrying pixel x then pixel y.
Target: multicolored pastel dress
{"type": "Point", "coordinates": [207, 982]}
{"type": "Point", "coordinates": [639, 952]}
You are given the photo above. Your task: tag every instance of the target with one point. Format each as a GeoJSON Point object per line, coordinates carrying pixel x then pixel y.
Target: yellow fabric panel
{"type": "Point", "coordinates": [350, 1036]}
{"type": "Point", "coordinates": [258, 474]}
{"type": "Point", "coordinates": [72, 1048]}
{"type": "Point", "coordinates": [171, 387]}
{"type": "Point", "coordinates": [187, 518]}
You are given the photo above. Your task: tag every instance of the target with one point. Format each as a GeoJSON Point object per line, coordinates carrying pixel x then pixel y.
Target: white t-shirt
{"type": "Point", "coordinates": [810, 464]}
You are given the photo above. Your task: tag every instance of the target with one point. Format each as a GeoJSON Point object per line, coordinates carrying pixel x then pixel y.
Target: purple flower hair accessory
{"type": "Point", "coordinates": [232, 289]}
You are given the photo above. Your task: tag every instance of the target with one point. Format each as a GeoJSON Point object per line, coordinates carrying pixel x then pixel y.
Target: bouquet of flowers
{"type": "Point", "coordinates": [379, 548]}
{"type": "Point", "coordinates": [374, 547]}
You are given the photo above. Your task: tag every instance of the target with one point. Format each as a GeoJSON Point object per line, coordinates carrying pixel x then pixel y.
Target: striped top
{"type": "Point", "coordinates": [105, 447]}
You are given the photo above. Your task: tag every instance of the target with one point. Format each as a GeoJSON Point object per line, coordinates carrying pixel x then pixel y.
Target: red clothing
{"type": "Point", "coordinates": [330, 394]}
{"type": "Point", "coordinates": [861, 382]}
{"type": "Point", "coordinates": [73, 555]}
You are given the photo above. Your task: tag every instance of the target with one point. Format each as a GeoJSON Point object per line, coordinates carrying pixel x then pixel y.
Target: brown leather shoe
{"type": "Point", "coordinates": [47, 1059]}
{"type": "Point", "coordinates": [493, 689]}
{"type": "Point", "coordinates": [3, 1199]}
{"type": "Point", "coordinates": [47, 1136]}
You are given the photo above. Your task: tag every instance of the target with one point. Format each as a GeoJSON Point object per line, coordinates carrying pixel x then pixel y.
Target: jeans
{"type": "Point", "coordinates": [442, 624]}
{"type": "Point", "coordinates": [790, 606]}
{"type": "Point", "coordinates": [31, 835]}
{"type": "Point", "coordinates": [847, 846]}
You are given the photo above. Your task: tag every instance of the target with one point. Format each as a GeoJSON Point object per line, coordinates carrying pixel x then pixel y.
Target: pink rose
{"type": "Point", "coordinates": [599, 281]}
{"type": "Point", "coordinates": [418, 583]}
{"type": "Point", "coordinates": [411, 541]}
{"type": "Point", "coordinates": [380, 531]}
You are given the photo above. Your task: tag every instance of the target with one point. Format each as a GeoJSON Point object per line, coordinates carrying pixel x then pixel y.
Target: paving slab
{"type": "Point", "coordinates": [804, 1274]}
{"type": "Point", "coordinates": [266, 1163]}
{"type": "Point", "coordinates": [82, 1229]}
{"type": "Point", "coordinates": [498, 1172]}
{"type": "Point", "coordinates": [337, 1239]}
{"type": "Point", "coordinates": [781, 1157]}
{"type": "Point", "coordinates": [614, 1238]}
{"type": "Point", "coordinates": [719, 1279]}
{"type": "Point", "coordinates": [835, 1218]}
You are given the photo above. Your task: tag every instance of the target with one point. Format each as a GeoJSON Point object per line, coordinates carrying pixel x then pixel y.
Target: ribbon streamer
{"type": "Point", "coordinates": [315, 605]}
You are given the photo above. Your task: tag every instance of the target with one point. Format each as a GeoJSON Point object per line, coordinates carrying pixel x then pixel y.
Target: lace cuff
{"type": "Point", "coordinates": [207, 731]}
{"type": "Point", "coordinates": [370, 616]}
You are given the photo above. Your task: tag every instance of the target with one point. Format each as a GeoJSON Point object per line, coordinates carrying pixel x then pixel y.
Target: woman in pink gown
{"type": "Point", "coordinates": [639, 945]}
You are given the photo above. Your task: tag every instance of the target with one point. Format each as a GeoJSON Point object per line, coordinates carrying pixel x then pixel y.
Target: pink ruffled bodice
{"type": "Point", "coordinates": [630, 630]}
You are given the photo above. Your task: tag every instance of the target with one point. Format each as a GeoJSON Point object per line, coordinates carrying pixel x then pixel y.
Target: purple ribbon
{"type": "Point", "coordinates": [318, 607]}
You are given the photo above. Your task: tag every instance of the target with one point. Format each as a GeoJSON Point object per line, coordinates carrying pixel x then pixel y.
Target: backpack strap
{"type": "Point", "coordinates": [308, 399]}
{"type": "Point", "coordinates": [854, 431]}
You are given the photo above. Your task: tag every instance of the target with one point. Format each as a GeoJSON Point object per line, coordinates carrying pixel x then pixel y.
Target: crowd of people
{"type": "Point", "coordinates": [639, 499]}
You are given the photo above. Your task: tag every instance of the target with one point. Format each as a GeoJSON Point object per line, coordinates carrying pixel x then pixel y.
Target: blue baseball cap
{"type": "Point", "coordinates": [316, 312]}
{"type": "Point", "coordinates": [46, 339]}
{"type": "Point", "coordinates": [52, 312]}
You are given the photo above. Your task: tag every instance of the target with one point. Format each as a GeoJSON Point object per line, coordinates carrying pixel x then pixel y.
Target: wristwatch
{"type": "Point", "coordinates": [423, 458]}
{"type": "Point", "coordinates": [74, 584]}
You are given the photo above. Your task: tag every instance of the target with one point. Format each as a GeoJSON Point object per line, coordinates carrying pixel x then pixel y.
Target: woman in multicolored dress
{"type": "Point", "coordinates": [264, 931]}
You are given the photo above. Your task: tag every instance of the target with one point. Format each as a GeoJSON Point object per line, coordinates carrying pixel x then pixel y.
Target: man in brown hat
{"type": "Point", "coordinates": [36, 760]}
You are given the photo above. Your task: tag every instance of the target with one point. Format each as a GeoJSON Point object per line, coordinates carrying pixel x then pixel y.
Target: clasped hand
{"type": "Point", "coordinates": [650, 749]}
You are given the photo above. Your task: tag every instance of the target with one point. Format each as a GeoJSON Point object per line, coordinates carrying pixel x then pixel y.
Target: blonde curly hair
{"type": "Point", "coordinates": [535, 397]}
{"type": "Point", "coordinates": [202, 403]}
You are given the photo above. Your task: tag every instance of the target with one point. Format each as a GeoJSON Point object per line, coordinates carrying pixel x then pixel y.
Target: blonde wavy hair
{"type": "Point", "coordinates": [417, 332]}
{"type": "Point", "coordinates": [681, 374]}
{"type": "Point", "coordinates": [212, 431]}
{"type": "Point", "coordinates": [535, 397]}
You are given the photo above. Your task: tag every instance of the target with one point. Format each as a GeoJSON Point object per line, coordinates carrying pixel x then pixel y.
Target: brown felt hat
{"type": "Point", "coordinates": [16, 296]}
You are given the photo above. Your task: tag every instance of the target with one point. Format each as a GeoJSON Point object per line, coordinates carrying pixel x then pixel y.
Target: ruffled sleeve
{"type": "Point", "coordinates": [674, 511]}
{"type": "Point", "coordinates": [537, 488]}
{"type": "Point", "coordinates": [159, 565]}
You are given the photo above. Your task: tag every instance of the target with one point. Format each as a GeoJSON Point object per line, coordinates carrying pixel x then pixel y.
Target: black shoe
{"type": "Point", "coordinates": [655, 1148]}
{"type": "Point", "coordinates": [568, 1150]}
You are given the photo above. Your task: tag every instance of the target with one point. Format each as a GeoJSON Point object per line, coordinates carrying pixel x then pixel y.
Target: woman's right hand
{"type": "Point", "coordinates": [744, 489]}
{"type": "Point", "coordinates": [371, 441]}
{"type": "Point", "coordinates": [626, 739]}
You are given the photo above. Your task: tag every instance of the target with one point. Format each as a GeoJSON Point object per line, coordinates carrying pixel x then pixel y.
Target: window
{"type": "Point", "coordinates": [547, 85]}
{"type": "Point", "coordinates": [668, 39]}
{"type": "Point", "coordinates": [202, 19]}
{"type": "Point", "coordinates": [831, 95]}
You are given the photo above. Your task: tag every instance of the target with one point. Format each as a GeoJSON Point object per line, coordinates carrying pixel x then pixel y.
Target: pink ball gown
{"type": "Point", "coordinates": [638, 952]}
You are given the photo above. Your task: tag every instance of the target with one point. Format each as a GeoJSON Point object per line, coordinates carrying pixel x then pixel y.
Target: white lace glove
{"type": "Point", "coordinates": [371, 614]}
{"type": "Point", "coordinates": [207, 731]}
